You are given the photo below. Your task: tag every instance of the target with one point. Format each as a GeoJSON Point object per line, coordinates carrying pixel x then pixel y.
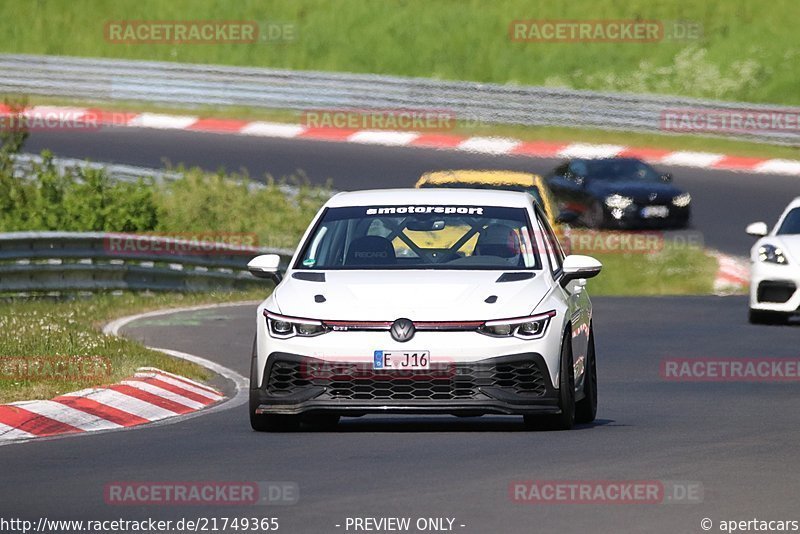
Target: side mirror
{"type": "Point", "coordinates": [758, 229]}
{"type": "Point", "coordinates": [667, 177]}
{"type": "Point", "coordinates": [566, 217]}
{"type": "Point", "coordinates": [577, 266]}
{"type": "Point", "coordinates": [266, 266]}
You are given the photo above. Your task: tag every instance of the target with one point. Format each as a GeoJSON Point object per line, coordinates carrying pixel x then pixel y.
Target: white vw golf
{"type": "Point", "coordinates": [775, 268]}
{"type": "Point", "coordinates": [425, 301]}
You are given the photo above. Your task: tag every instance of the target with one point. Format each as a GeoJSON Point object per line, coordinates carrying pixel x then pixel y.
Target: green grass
{"type": "Point", "coordinates": [672, 271]}
{"type": "Point", "coordinates": [552, 134]}
{"type": "Point", "coordinates": [42, 330]}
{"type": "Point", "coordinates": [746, 52]}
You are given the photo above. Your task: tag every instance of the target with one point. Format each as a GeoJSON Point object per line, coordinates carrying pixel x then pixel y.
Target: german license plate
{"type": "Point", "coordinates": [412, 360]}
{"type": "Point", "coordinates": [649, 212]}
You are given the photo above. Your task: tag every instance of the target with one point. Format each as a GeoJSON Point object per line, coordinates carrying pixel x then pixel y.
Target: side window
{"type": "Point", "coordinates": [578, 168]}
{"type": "Point", "coordinates": [561, 170]}
{"type": "Point", "coordinates": [554, 252]}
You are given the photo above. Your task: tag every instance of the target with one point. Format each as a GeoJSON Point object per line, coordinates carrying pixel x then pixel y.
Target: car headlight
{"type": "Point", "coordinates": [283, 327]}
{"type": "Point", "coordinates": [618, 201]}
{"type": "Point", "coordinates": [533, 327]}
{"type": "Point", "coordinates": [771, 254]}
{"type": "Point", "coordinates": [682, 201]}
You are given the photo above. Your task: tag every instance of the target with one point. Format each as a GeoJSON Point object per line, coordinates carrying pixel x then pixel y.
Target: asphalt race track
{"type": "Point", "coordinates": [737, 440]}
{"type": "Point", "coordinates": [723, 202]}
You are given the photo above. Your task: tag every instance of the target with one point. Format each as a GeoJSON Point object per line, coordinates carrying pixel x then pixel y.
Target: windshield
{"type": "Point", "coordinates": [421, 237]}
{"type": "Point", "coordinates": [791, 223]}
{"type": "Point", "coordinates": [621, 170]}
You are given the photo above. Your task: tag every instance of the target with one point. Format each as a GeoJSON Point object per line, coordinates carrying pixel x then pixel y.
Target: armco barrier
{"type": "Point", "coordinates": [36, 262]}
{"type": "Point", "coordinates": [214, 85]}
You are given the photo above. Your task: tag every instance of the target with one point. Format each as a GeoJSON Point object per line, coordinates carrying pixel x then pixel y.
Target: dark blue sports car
{"type": "Point", "coordinates": [618, 193]}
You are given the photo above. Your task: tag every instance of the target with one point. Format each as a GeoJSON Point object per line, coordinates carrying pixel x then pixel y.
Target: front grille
{"type": "Point", "coordinates": [776, 292]}
{"type": "Point", "coordinates": [354, 381]}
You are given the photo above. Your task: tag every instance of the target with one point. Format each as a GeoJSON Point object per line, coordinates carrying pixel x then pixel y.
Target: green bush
{"type": "Point", "coordinates": [80, 199]}
{"type": "Point", "coordinates": [83, 200]}
{"type": "Point", "coordinates": [202, 202]}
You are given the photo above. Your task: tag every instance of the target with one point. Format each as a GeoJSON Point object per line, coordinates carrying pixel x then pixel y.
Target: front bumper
{"type": "Point", "coordinates": [513, 384]}
{"type": "Point", "coordinates": [632, 218]}
{"type": "Point", "coordinates": [775, 288]}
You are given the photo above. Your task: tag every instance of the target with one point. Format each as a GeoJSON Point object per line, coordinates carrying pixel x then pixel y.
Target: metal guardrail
{"type": "Point", "coordinates": [213, 85]}
{"type": "Point", "coordinates": [24, 163]}
{"type": "Point", "coordinates": [41, 262]}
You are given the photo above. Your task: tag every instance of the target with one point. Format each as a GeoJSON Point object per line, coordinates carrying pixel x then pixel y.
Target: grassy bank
{"type": "Point", "coordinates": [672, 271]}
{"type": "Point", "coordinates": [743, 50]}
{"type": "Point", "coordinates": [43, 332]}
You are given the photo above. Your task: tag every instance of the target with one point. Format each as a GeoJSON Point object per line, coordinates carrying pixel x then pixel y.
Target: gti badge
{"type": "Point", "coordinates": [402, 330]}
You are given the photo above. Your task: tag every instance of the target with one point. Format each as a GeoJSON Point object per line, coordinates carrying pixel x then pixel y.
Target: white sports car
{"type": "Point", "coordinates": [418, 301]}
{"type": "Point", "coordinates": [775, 268]}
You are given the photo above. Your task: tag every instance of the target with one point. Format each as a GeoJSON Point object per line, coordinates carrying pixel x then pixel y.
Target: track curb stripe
{"type": "Point", "coordinates": [151, 386]}
{"type": "Point", "coordinates": [486, 145]}
{"type": "Point", "coordinates": [177, 390]}
{"type": "Point", "coordinates": [733, 274]}
{"type": "Point", "coordinates": [150, 395]}
{"type": "Point", "coordinates": [122, 407]}
{"type": "Point", "coordinates": [179, 378]}
{"type": "Point", "coordinates": [105, 411]}
{"type": "Point", "coordinates": [33, 423]}
{"type": "Point", "coordinates": [125, 403]}
{"type": "Point", "coordinates": [63, 413]}
{"type": "Point", "coordinates": [146, 396]}
{"type": "Point", "coordinates": [181, 386]}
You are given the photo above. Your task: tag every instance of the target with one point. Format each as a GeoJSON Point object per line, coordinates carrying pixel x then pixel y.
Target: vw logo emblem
{"type": "Point", "coordinates": [402, 330]}
{"type": "Point", "coordinates": [653, 196]}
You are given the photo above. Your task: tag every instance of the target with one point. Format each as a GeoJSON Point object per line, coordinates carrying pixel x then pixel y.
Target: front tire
{"type": "Point", "coordinates": [767, 317]}
{"type": "Point", "coordinates": [566, 394]}
{"type": "Point", "coordinates": [586, 408]}
{"type": "Point", "coordinates": [273, 423]}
